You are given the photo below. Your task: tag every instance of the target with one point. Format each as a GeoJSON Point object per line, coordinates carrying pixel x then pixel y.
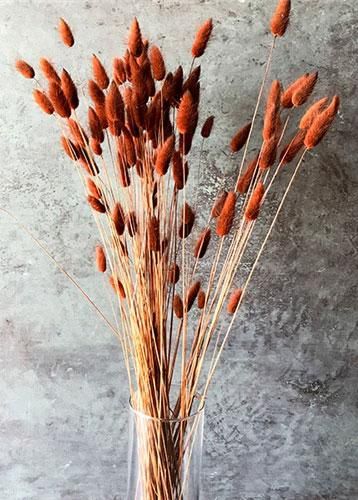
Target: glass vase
{"type": "Point", "coordinates": [164, 456]}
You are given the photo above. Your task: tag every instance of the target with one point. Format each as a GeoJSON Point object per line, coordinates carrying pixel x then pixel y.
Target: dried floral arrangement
{"type": "Point", "coordinates": [132, 153]}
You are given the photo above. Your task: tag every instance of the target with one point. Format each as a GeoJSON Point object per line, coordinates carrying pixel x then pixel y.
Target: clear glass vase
{"type": "Point", "coordinates": [164, 456]}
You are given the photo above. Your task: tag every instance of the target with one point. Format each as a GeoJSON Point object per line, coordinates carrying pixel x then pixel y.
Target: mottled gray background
{"type": "Point", "coordinates": [282, 419]}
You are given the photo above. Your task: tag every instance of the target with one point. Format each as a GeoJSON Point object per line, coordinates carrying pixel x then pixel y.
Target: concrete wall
{"type": "Point", "coordinates": [282, 419]}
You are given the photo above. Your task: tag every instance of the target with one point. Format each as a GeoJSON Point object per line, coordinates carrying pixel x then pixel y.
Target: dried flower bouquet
{"type": "Point", "coordinates": [132, 154]}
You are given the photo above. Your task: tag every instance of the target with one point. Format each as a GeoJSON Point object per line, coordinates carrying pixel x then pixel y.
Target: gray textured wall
{"type": "Point", "coordinates": [282, 419]}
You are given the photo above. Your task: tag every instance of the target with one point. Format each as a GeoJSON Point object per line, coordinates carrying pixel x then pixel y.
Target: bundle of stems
{"type": "Point", "coordinates": [130, 141]}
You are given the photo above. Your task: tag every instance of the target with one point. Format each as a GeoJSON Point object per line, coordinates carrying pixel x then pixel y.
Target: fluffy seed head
{"type": "Point", "coordinates": [180, 170]}
{"type": "Point", "coordinates": [226, 217]}
{"type": "Point", "coordinates": [69, 89]}
{"type": "Point", "coordinates": [117, 286]}
{"type": "Point", "coordinates": [119, 71]}
{"type": "Point", "coordinates": [95, 125]}
{"type": "Point", "coordinates": [92, 188]}
{"type": "Point", "coordinates": [96, 93]}
{"type": "Point", "coordinates": [135, 43]}
{"type": "Point", "coordinates": [43, 101]}
{"type": "Point", "coordinates": [302, 93]}
{"type": "Point", "coordinates": [286, 96]}
{"type": "Point", "coordinates": [157, 62]}
{"type": "Point", "coordinates": [312, 112]}
{"type": "Point", "coordinates": [178, 306]}
{"type": "Point", "coordinates": [77, 132]}
{"type": "Point", "coordinates": [186, 112]}
{"type": "Point", "coordinates": [268, 152]}
{"type": "Point", "coordinates": [240, 138]}
{"type": "Point", "coordinates": [173, 273]}
{"type": "Point", "coordinates": [272, 111]}
{"type": "Point", "coordinates": [321, 124]}
{"type": "Point", "coordinates": [253, 207]}
{"type": "Point", "coordinates": [95, 146]}
{"type": "Point", "coordinates": [114, 104]}
{"type": "Point", "coordinates": [153, 234]}
{"type": "Point", "coordinates": [207, 127]}
{"type": "Point", "coordinates": [101, 259]}
{"type": "Point", "coordinates": [58, 100]}
{"type": "Point", "coordinates": [69, 148]}
{"type": "Point", "coordinates": [191, 295]}
{"type": "Point", "coordinates": [65, 33]}
{"type": "Point", "coordinates": [164, 156]}
{"type": "Point", "coordinates": [201, 299]}
{"type": "Point", "coordinates": [202, 244]}
{"type": "Point", "coordinates": [49, 71]}
{"type": "Point", "coordinates": [96, 204]}
{"type": "Point", "coordinates": [118, 218]}
{"type": "Point", "coordinates": [202, 38]}
{"type": "Point", "coordinates": [244, 181]}
{"type": "Point", "coordinates": [25, 69]}
{"type": "Point", "coordinates": [234, 300]}
{"type": "Point", "coordinates": [218, 204]}
{"type": "Point", "coordinates": [99, 73]}
{"type": "Point", "coordinates": [280, 19]}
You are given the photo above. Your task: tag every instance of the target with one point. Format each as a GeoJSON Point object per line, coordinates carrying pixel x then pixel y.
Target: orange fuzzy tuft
{"type": "Point", "coordinates": [202, 38]}
{"type": "Point", "coordinates": [117, 287]}
{"type": "Point", "coordinates": [25, 69]}
{"type": "Point", "coordinates": [207, 127]}
{"type": "Point", "coordinates": [153, 234]}
{"type": "Point", "coordinates": [290, 151]}
{"type": "Point", "coordinates": [286, 96]}
{"type": "Point", "coordinates": [118, 218]}
{"type": "Point", "coordinates": [218, 205]}
{"type": "Point", "coordinates": [69, 148]}
{"type": "Point", "coordinates": [164, 156]}
{"type": "Point", "coordinates": [173, 273]}
{"type": "Point", "coordinates": [43, 101]}
{"type": "Point", "coordinates": [186, 112]}
{"type": "Point", "coordinates": [240, 138]}
{"type": "Point", "coordinates": [65, 33]}
{"type": "Point", "coordinates": [115, 105]}
{"type": "Point", "coordinates": [78, 134]}
{"type": "Point", "coordinates": [191, 295]}
{"type": "Point", "coordinates": [92, 188]}
{"type": "Point", "coordinates": [312, 112]}
{"type": "Point", "coordinates": [49, 71]}
{"type": "Point", "coordinates": [95, 93]}
{"type": "Point", "coordinates": [101, 259]}
{"type": "Point", "coordinates": [321, 124]}
{"type": "Point", "coordinates": [178, 306]}
{"type": "Point", "coordinates": [135, 43]}
{"type": "Point", "coordinates": [58, 100]}
{"type": "Point", "coordinates": [157, 62]}
{"type": "Point", "coordinates": [119, 71]}
{"type": "Point", "coordinates": [69, 89]}
{"type": "Point", "coordinates": [202, 244]}
{"type": "Point", "coordinates": [253, 207]}
{"type": "Point", "coordinates": [234, 300]}
{"type": "Point", "coordinates": [201, 299]}
{"type": "Point", "coordinates": [95, 146]}
{"type": "Point", "coordinates": [96, 204]}
{"type": "Point", "coordinates": [280, 19]}
{"type": "Point", "coordinates": [272, 110]}
{"type": "Point", "coordinates": [180, 171]}
{"type": "Point", "coordinates": [268, 153]}
{"type": "Point", "coordinates": [129, 147]}
{"type": "Point", "coordinates": [302, 93]}
{"type": "Point", "coordinates": [99, 73]}
{"type": "Point", "coordinates": [244, 181]}
{"type": "Point", "coordinates": [226, 217]}
{"type": "Point", "coordinates": [95, 125]}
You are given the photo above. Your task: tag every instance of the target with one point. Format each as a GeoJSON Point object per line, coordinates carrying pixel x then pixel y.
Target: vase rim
{"type": "Point", "coordinates": [199, 411]}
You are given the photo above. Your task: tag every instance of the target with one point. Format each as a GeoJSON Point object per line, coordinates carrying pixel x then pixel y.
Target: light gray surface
{"type": "Point", "coordinates": [282, 418]}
